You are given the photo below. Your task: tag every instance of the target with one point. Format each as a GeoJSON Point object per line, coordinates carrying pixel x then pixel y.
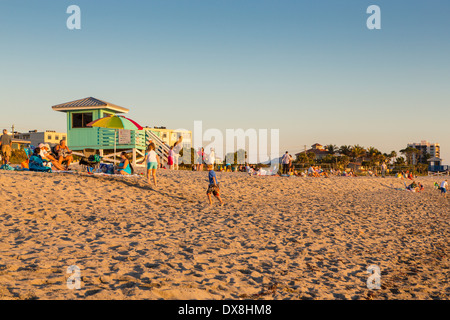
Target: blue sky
{"type": "Point", "coordinates": [309, 68]}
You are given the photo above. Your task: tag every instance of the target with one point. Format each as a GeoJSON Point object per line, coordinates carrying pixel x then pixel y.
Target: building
{"type": "Point", "coordinates": [48, 136]}
{"type": "Point", "coordinates": [425, 147]}
{"type": "Point", "coordinates": [435, 165]}
{"type": "Point", "coordinates": [17, 143]}
{"type": "Point", "coordinates": [318, 149]}
{"type": "Point", "coordinates": [104, 141]}
{"type": "Point", "coordinates": [20, 144]}
{"type": "Point", "coordinates": [170, 136]}
{"type": "Point", "coordinates": [88, 140]}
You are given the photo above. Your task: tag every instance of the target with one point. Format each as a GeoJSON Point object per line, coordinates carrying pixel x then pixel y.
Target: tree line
{"type": "Point", "coordinates": [371, 156]}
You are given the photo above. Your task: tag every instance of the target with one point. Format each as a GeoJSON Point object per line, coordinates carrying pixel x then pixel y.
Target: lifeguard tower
{"type": "Point", "coordinates": [435, 167]}
{"type": "Point", "coordinates": [93, 140]}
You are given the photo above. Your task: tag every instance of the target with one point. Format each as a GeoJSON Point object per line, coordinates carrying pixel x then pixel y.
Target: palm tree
{"type": "Point", "coordinates": [357, 151]}
{"type": "Point", "coordinates": [346, 150]}
{"type": "Point", "coordinates": [332, 149]}
{"type": "Point", "coordinates": [400, 161]}
{"type": "Point", "coordinates": [343, 160]}
{"type": "Point", "coordinates": [374, 155]}
{"type": "Point", "coordinates": [408, 152]}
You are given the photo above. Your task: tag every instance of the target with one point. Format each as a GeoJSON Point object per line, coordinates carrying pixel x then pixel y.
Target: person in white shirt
{"type": "Point", "coordinates": [153, 162]}
{"type": "Point", "coordinates": [285, 161]}
{"type": "Point", "coordinates": [444, 187]}
{"type": "Point", "coordinates": [46, 156]}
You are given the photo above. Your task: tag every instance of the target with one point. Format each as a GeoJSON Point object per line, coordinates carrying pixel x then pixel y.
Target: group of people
{"type": "Point", "coordinates": [153, 161]}
{"type": "Point", "coordinates": [316, 172]}
{"type": "Point", "coordinates": [58, 158]}
{"type": "Point", "coordinates": [406, 175]}
{"type": "Point", "coordinates": [287, 162]}
{"type": "Point", "coordinates": [202, 159]}
{"type": "Point", "coordinates": [415, 186]}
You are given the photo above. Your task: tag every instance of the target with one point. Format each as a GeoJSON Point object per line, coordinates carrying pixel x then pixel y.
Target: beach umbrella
{"type": "Point", "coordinates": [115, 122]}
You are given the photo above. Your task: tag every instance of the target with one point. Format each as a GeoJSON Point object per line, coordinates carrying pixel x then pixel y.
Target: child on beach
{"type": "Point", "coordinates": [213, 186]}
{"type": "Point", "coordinates": [152, 160]}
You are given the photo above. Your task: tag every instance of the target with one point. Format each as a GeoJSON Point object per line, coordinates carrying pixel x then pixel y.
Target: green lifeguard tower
{"type": "Point", "coordinates": [90, 140]}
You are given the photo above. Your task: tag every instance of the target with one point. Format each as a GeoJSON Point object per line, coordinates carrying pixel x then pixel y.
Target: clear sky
{"type": "Point", "coordinates": [309, 68]}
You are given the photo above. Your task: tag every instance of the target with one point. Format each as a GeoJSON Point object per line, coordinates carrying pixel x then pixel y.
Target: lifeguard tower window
{"type": "Point", "coordinates": [80, 120]}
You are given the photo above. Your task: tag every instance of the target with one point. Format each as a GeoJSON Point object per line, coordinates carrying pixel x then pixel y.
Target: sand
{"type": "Point", "coordinates": [276, 238]}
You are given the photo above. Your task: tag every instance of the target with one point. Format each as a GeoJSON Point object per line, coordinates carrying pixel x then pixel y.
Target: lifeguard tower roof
{"type": "Point", "coordinates": [87, 104]}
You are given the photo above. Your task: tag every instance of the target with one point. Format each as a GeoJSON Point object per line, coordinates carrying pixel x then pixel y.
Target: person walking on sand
{"type": "Point", "coordinates": [383, 169]}
{"type": "Point", "coordinates": [444, 187]}
{"type": "Point", "coordinates": [152, 160]}
{"type": "Point", "coordinates": [213, 185]}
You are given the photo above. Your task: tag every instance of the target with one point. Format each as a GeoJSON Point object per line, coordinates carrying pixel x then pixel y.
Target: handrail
{"type": "Point", "coordinates": [162, 147]}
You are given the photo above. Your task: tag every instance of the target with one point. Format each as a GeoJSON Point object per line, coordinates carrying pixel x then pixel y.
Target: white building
{"type": "Point", "coordinates": [48, 136]}
{"type": "Point", "coordinates": [433, 149]}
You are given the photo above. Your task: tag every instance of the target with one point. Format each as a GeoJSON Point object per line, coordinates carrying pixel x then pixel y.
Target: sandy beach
{"type": "Point", "coordinates": [275, 238]}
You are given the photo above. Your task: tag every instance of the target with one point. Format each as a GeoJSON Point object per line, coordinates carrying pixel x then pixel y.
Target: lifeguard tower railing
{"type": "Point", "coordinates": [438, 170]}
{"type": "Point", "coordinates": [162, 149]}
{"type": "Point", "coordinates": [105, 139]}
{"type": "Point", "coordinates": [138, 144]}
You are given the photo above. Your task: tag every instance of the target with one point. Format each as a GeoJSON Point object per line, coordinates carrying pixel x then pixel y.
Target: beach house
{"type": "Point", "coordinates": [86, 140]}
{"type": "Point", "coordinates": [89, 140]}
{"type": "Point", "coordinates": [435, 165]}
{"type": "Point", "coordinates": [319, 151]}
{"type": "Point", "coordinates": [170, 136]}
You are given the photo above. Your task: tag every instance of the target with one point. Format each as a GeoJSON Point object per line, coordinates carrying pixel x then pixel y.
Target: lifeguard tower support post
{"type": "Point", "coordinates": [91, 140]}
